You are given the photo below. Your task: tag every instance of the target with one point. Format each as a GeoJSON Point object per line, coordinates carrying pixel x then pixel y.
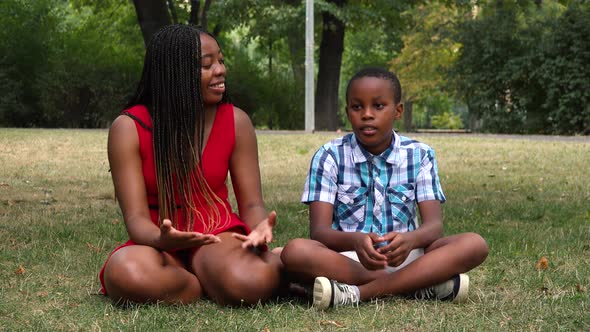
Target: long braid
{"type": "Point", "coordinates": [171, 89]}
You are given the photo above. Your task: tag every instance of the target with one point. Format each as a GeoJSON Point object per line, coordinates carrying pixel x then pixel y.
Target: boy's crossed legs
{"type": "Point", "coordinates": [444, 260]}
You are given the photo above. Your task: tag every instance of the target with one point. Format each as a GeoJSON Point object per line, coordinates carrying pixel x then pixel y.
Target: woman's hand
{"type": "Point", "coordinates": [398, 247]}
{"type": "Point", "coordinates": [368, 256]}
{"type": "Point", "coordinates": [261, 234]}
{"type": "Point", "coordinates": [171, 238]}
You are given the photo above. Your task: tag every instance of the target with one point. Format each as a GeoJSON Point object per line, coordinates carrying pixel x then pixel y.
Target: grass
{"type": "Point", "coordinates": [528, 198]}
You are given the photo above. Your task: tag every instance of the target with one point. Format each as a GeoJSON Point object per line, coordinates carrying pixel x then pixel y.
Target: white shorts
{"type": "Point", "coordinates": [414, 254]}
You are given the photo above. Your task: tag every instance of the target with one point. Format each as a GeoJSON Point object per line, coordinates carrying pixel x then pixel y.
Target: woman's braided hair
{"type": "Point", "coordinates": [170, 87]}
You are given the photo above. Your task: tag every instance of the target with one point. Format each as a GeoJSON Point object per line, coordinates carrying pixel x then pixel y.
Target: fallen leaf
{"type": "Point", "coordinates": [4, 184]}
{"type": "Point", "coordinates": [115, 221]}
{"type": "Point", "coordinates": [20, 270]}
{"type": "Point", "coordinates": [580, 288]}
{"type": "Point", "coordinates": [42, 294]}
{"type": "Point", "coordinates": [543, 264]}
{"type": "Point", "coordinates": [266, 329]}
{"type": "Point", "coordinates": [331, 322]}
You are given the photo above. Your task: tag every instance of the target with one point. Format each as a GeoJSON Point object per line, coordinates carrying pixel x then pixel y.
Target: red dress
{"type": "Point", "coordinates": [215, 160]}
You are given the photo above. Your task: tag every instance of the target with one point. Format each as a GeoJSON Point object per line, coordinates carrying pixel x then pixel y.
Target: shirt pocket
{"type": "Point", "coordinates": [402, 200]}
{"type": "Point", "coordinates": [351, 204]}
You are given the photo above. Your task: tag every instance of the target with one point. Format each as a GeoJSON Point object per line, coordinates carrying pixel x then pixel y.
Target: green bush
{"type": "Point", "coordinates": [66, 66]}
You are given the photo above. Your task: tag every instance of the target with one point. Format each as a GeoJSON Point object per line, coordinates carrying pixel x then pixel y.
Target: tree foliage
{"type": "Point", "coordinates": [519, 66]}
{"type": "Point", "coordinates": [57, 69]}
{"type": "Point", "coordinates": [531, 74]}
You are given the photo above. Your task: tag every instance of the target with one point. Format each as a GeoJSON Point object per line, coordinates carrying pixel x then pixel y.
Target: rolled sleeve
{"type": "Point", "coordinates": [321, 182]}
{"type": "Point", "coordinates": [428, 186]}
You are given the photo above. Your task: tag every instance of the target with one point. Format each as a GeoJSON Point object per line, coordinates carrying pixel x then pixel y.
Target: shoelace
{"type": "Point", "coordinates": [425, 293]}
{"type": "Point", "coordinates": [347, 294]}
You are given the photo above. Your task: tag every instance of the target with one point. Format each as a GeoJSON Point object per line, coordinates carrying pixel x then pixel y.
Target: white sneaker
{"type": "Point", "coordinates": [330, 293]}
{"type": "Point", "coordinates": [455, 289]}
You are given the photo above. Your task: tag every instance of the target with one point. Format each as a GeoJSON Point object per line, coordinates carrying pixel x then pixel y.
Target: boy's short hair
{"type": "Point", "coordinates": [379, 72]}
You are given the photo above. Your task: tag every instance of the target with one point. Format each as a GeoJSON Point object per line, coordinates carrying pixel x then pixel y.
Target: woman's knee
{"type": "Point", "coordinates": [128, 279]}
{"type": "Point", "coordinates": [248, 282]}
{"type": "Point", "coordinates": [125, 280]}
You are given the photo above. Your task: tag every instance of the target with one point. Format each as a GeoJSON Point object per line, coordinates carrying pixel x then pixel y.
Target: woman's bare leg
{"type": "Point", "coordinates": [143, 274]}
{"type": "Point", "coordinates": [232, 275]}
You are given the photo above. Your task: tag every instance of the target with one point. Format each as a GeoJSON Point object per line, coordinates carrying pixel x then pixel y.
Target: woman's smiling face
{"type": "Point", "coordinates": [212, 70]}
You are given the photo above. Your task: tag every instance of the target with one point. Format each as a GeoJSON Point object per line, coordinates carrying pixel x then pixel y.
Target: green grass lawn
{"type": "Point", "coordinates": [527, 198]}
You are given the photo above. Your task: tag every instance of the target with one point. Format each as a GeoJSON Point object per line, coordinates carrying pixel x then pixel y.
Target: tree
{"type": "Point", "coordinates": [152, 16]}
{"type": "Point", "coordinates": [566, 72]}
{"type": "Point", "coordinates": [342, 17]}
{"type": "Point", "coordinates": [530, 75]}
{"type": "Point", "coordinates": [428, 53]}
{"type": "Point", "coordinates": [330, 61]}
{"type": "Point", "coordinates": [58, 69]}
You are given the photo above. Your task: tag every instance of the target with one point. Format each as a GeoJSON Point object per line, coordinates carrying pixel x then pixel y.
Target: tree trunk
{"type": "Point", "coordinates": [407, 116]}
{"type": "Point", "coordinates": [204, 14]}
{"type": "Point", "coordinates": [330, 62]}
{"type": "Point", "coordinates": [296, 42]}
{"type": "Point", "coordinates": [195, 8]}
{"type": "Point", "coordinates": [201, 20]}
{"type": "Point", "coordinates": [172, 9]}
{"type": "Point", "coordinates": [152, 16]}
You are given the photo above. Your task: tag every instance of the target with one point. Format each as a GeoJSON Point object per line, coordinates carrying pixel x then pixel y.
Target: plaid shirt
{"type": "Point", "coordinates": [373, 193]}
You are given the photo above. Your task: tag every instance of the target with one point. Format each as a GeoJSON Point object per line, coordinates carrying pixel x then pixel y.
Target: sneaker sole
{"type": "Point", "coordinates": [463, 289]}
{"type": "Point", "coordinates": [322, 293]}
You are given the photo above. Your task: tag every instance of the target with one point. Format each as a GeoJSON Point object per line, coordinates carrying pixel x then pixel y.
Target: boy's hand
{"type": "Point", "coordinates": [398, 247]}
{"type": "Point", "coordinates": [368, 256]}
{"type": "Point", "coordinates": [171, 238]}
{"type": "Point", "coordinates": [261, 234]}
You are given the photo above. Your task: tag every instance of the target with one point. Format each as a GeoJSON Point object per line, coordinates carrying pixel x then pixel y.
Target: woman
{"type": "Point", "coordinates": [170, 153]}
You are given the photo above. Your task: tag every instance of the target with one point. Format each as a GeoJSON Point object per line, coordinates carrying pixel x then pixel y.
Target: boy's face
{"type": "Point", "coordinates": [371, 110]}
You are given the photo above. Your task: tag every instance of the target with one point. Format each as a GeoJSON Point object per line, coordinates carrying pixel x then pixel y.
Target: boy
{"type": "Point", "coordinates": [362, 190]}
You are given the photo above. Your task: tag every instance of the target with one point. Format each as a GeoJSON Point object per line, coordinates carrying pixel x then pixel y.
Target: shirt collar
{"type": "Point", "coordinates": [391, 154]}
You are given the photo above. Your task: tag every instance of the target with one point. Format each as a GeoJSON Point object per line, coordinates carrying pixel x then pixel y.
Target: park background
{"type": "Point", "coordinates": [503, 66]}
{"type": "Point", "coordinates": [483, 67]}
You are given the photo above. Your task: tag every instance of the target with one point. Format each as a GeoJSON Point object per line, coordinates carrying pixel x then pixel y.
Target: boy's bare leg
{"type": "Point", "coordinates": [443, 259]}
{"type": "Point", "coordinates": [143, 274]}
{"type": "Point", "coordinates": [232, 275]}
{"type": "Point", "coordinates": [306, 259]}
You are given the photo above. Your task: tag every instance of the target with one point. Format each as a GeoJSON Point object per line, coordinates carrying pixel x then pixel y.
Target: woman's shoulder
{"type": "Point", "coordinates": [122, 123]}
{"type": "Point", "coordinates": [241, 118]}
{"type": "Point", "coordinates": [126, 123]}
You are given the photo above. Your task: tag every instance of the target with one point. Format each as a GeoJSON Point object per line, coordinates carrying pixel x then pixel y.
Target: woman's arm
{"type": "Point", "coordinates": [245, 175]}
{"type": "Point", "coordinates": [126, 171]}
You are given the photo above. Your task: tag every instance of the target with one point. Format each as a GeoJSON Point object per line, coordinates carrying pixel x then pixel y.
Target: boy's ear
{"type": "Point", "coordinates": [399, 110]}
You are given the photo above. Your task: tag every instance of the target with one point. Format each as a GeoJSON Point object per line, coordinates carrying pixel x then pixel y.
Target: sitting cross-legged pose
{"type": "Point", "coordinates": [363, 190]}
{"type": "Point", "coordinates": [170, 152]}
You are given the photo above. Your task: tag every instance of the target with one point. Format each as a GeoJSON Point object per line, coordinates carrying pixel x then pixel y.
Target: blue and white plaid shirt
{"type": "Point", "coordinates": [373, 193]}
